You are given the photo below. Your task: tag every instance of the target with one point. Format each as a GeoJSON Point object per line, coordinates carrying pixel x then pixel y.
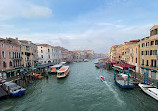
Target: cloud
{"type": "Point", "coordinates": [99, 40]}
{"type": "Point", "coordinates": [23, 8]}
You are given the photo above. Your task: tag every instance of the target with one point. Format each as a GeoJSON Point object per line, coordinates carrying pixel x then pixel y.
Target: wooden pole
{"type": "Point", "coordinates": [128, 76]}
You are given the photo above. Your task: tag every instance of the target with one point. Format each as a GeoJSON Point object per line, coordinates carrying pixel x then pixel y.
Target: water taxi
{"type": "Point", "coordinates": [150, 90]}
{"type": "Point", "coordinates": [55, 68]}
{"type": "Point", "coordinates": [63, 72]}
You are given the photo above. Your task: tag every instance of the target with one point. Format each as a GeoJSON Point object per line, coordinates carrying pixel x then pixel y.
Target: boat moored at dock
{"type": "Point", "coordinates": [150, 90]}
{"type": "Point", "coordinates": [13, 89]}
{"type": "Point", "coordinates": [55, 68]}
{"type": "Point", "coordinates": [63, 72]}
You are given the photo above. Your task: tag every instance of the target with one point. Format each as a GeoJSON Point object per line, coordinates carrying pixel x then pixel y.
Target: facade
{"type": "Point", "coordinates": [27, 52]}
{"type": "Point", "coordinates": [149, 55]}
{"type": "Point", "coordinates": [56, 55]}
{"type": "Point", "coordinates": [10, 57]}
{"type": "Point", "coordinates": [142, 53]}
{"type": "Point", "coordinates": [44, 53]}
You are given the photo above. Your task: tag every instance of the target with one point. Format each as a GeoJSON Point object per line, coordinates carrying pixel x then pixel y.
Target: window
{"type": "Point", "coordinates": [143, 44]}
{"type": "Point", "coordinates": [10, 64]}
{"type": "Point", "coordinates": [41, 56]}
{"type": "Point", "coordinates": [152, 42]}
{"type": "Point", "coordinates": [41, 47]}
{"type": "Point", "coordinates": [142, 52]}
{"type": "Point", "coordinates": [136, 60]}
{"type": "Point", "coordinates": [142, 61]}
{"type": "Point", "coordinates": [4, 64]}
{"type": "Point", "coordinates": [3, 54]}
{"type": "Point", "coordinates": [48, 50]}
{"type": "Point", "coordinates": [10, 55]}
{"type": "Point", "coordinates": [49, 56]}
{"type": "Point", "coordinates": [41, 51]}
{"type": "Point", "coordinates": [2, 45]}
{"type": "Point", "coordinates": [136, 50]}
{"type": "Point", "coordinates": [156, 31]}
{"type": "Point", "coordinates": [9, 46]}
{"type": "Point", "coordinates": [156, 42]}
{"type": "Point", "coordinates": [12, 46]}
{"type": "Point", "coordinates": [150, 52]}
{"type": "Point", "coordinates": [147, 63]}
{"type": "Point", "coordinates": [44, 61]}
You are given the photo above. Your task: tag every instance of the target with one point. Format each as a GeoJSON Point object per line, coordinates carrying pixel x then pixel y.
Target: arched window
{"type": "Point", "coordinates": [4, 64]}
{"type": "Point", "coordinates": [17, 55]}
{"type": "Point", "coordinates": [10, 63]}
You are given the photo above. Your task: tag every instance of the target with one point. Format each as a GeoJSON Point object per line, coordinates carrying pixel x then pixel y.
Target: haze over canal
{"type": "Point", "coordinates": [82, 90]}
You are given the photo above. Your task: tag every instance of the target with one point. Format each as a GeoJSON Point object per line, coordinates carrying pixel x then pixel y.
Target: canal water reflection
{"type": "Point", "coordinates": [82, 90]}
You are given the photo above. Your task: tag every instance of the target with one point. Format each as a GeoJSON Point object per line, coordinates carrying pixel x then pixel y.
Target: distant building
{"type": "Point", "coordinates": [56, 55]}
{"type": "Point", "coordinates": [44, 53]}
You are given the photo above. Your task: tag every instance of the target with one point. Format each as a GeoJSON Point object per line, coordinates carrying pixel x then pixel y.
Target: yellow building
{"type": "Point", "coordinates": [148, 54]}
{"type": "Point", "coordinates": [27, 53]}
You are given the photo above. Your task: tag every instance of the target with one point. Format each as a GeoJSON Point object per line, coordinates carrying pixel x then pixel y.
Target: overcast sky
{"type": "Point", "coordinates": [78, 24]}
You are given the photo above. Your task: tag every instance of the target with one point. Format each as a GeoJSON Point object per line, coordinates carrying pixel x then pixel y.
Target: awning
{"type": "Point", "coordinates": [145, 68]}
{"type": "Point", "coordinates": [124, 66]}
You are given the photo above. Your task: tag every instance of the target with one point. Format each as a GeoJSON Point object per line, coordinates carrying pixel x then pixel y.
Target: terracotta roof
{"type": "Point", "coordinates": [45, 45]}
{"type": "Point", "coordinates": [25, 41]}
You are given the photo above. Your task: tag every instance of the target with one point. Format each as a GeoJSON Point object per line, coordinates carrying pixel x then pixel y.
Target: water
{"type": "Point", "coordinates": [82, 90]}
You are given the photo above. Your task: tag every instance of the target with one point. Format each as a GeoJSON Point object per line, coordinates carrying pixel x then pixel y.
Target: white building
{"type": "Point", "coordinates": [44, 53]}
{"type": "Point", "coordinates": [56, 55]}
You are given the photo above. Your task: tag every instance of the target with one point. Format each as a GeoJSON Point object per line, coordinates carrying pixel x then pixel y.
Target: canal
{"type": "Point", "coordinates": [82, 90]}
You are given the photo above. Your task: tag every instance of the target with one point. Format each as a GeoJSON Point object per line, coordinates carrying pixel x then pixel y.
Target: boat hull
{"type": "Point", "coordinates": [146, 90]}
{"type": "Point", "coordinates": [124, 86]}
{"type": "Point", "coordinates": [65, 74]}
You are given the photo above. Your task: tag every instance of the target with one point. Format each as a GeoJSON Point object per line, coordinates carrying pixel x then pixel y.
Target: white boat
{"type": "Point", "coordinates": [63, 72]}
{"type": "Point", "coordinates": [85, 60]}
{"type": "Point", "coordinates": [62, 63]}
{"type": "Point", "coordinates": [150, 90]}
{"type": "Point", "coordinates": [14, 89]}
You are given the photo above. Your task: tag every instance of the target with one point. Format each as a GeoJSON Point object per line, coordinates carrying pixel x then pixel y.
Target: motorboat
{"type": "Point", "coordinates": [85, 60]}
{"type": "Point", "coordinates": [63, 72]}
{"type": "Point", "coordinates": [150, 90]}
{"type": "Point", "coordinates": [102, 78]}
{"type": "Point", "coordinates": [13, 89]}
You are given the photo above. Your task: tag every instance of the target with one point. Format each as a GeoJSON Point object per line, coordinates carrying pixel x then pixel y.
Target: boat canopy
{"type": "Point", "coordinates": [63, 69]}
{"type": "Point", "coordinates": [58, 65]}
{"type": "Point", "coordinates": [124, 66]}
{"type": "Point", "coordinates": [62, 63]}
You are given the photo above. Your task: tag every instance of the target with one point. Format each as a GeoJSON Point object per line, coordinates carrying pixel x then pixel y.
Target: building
{"type": "Point", "coordinates": [56, 55]}
{"type": "Point", "coordinates": [10, 57]}
{"type": "Point", "coordinates": [149, 55]}
{"type": "Point", "coordinates": [27, 52]}
{"type": "Point", "coordinates": [44, 53]}
{"type": "Point", "coordinates": [141, 53]}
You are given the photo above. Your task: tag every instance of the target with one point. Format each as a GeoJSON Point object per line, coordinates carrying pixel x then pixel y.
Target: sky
{"type": "Point", "coordinates": [78, 24]}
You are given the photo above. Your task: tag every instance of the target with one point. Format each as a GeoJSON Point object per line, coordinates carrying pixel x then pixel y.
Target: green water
{"type": "Point", "coordinates": [80, 91]}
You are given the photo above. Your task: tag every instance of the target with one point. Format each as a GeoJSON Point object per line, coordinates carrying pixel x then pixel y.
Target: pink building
{"type": "Point", "coordinates": [10, 57]}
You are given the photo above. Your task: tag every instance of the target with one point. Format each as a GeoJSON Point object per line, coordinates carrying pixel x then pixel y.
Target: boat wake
{"type": "Point", "coordinates": [114, 92]}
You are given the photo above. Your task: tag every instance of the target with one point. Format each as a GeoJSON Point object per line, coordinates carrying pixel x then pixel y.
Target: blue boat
{"type": "Point", "coordinates": [123, 81]}
{"type": "Point", "coordinates": [14, 89]}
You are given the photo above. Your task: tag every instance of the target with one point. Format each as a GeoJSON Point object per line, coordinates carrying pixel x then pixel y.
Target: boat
{"type": "Point", "coordinates": [62, 63]}
{"type": "Point", "coordinates": [85, 60]}
{"type": "Point", "coordinates": [55, 68]}
{"type": "Point", "coordinates": [37, 76]}
{"type": "Point", "coordinates": [123, 81]}
{"type": "Point", "coordinates": [150, 90]}
{"type": "Point", "coordinates": [13, 89]}
{"type": "Point", "coordinates": [102, 78]}
{"type": "Point", "coordinates": [63, 72]}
